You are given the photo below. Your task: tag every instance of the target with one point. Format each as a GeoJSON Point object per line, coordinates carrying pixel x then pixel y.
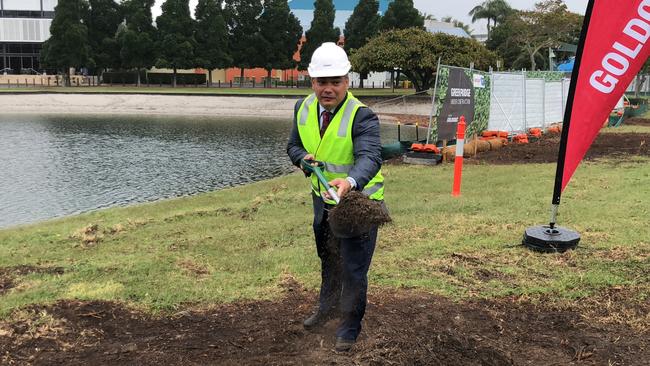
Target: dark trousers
{"type": "Point", "coordinates": [344, 272]}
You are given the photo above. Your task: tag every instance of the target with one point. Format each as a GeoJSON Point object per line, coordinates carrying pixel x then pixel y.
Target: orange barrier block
{"type": "Point", "coordinates": [417, 147]}
{"type": "Point", "coordinates": [535, 132]}
{"type": "Point", "coordinates": [554, 129]}
{"type": "Point", "coordinates": [520, 139]}
{"type": "Point", "coordinates": [490, 134]}
{"type": "Point", "coordinates": [431, 148]}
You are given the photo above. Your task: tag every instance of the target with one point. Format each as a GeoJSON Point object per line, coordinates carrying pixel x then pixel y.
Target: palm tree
{"type": "Point", "coordinates": [491, 10]}
{"type": "Point", "coordinates": [429, 17]}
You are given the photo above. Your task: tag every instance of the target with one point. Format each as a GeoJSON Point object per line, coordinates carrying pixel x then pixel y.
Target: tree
{"type": "Point", "coordinates": [68, 44]}
{"type": "Point", "coordinates": [401, 14]}
{"type": "Point", "coordinates": [103, 20]}
{"type": "Point", "coordinates": [415, 52]}
{"type": "Point", "coordinates": [524, 34]}
{"type": "Point", "coordinates": [211, 37]}
{"type": "Point", "coordinates": [641, 77]}
{"type": "Point", "coordinates": [491, 10]}
{"type": "Point", "coordinates": [503, 43]}
{"type": "Point", "coordinates": [244, 33]}
{"type": "Point", "coordinates": [176, 43]}
{"type": "Point", "coordinates": [135, 38]}
{"type": "Point", "coordinates": [280, 31]}
{"type": "Point", "coordinates": [320, 31]}
{"type": "Point", "coordinates": [362, 25]}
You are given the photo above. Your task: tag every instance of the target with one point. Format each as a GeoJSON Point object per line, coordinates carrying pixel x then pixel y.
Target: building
{"type": "Point", "coordinates": [435, 26]}
{"type": "Point", "coordinates": [24, 26]}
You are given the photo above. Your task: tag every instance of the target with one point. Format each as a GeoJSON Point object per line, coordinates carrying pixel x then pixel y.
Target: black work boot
{"type": "Point", "coordinates": [343, 345]}
{"type": "Point", "coordinates": [317, 319]}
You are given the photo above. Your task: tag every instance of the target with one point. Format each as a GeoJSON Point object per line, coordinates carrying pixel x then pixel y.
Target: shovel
{"type": "Point", "coordinates": [316, 167]}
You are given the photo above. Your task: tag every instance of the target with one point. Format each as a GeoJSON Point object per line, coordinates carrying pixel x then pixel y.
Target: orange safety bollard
{"type": "Point", "coordinates": [458, 162]}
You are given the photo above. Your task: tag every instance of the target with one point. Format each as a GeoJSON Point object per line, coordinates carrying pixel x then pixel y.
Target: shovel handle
{"type": "Point", "coordinates": [327, 186]}
{"type": "Point", "coordinates": [334, 195]}
{"type": "Point", "coordinates": [321, 178]}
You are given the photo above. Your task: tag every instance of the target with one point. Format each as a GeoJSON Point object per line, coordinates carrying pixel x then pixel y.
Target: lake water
{"type": "Point", "coordinates": [56, 166]}
{"type": "Point", "coordinates": [52, 166]}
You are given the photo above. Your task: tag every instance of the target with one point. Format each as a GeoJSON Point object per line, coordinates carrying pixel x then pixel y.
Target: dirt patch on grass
{"type": "Point", "coordinates": [405, 119]}
{"type": "Point", "coordinates": [637, 122]}
{"type": "Point", "coordinates": [545, 150]}
{"type": "Point", "coordinates": [400, 328]}
{"type": "Point", "coordinates": [8, 275]}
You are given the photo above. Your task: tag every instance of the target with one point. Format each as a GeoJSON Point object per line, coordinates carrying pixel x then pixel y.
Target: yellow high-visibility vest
{"type": "Point", "coordinates": [335, 149]}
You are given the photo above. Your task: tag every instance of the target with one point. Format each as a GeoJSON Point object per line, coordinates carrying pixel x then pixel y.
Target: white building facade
{"type": "Point", "coordinates": [24, 26]}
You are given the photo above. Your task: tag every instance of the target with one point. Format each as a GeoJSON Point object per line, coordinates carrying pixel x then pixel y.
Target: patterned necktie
{"type": "Point", "coordinates": [327, 117]}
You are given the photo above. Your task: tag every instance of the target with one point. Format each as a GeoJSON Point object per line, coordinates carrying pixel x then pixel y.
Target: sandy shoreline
{"type": "Point", "coordinates": [130, 104]}
{"type": "Point", "coordinates": [185, 105]}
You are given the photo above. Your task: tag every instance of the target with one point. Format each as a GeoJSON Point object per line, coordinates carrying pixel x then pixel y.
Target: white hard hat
{"type": "Point", "coordinates": [329, 60]}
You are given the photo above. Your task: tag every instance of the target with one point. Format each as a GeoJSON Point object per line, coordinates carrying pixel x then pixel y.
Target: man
{"type": "Point", "coordinates": [332, 126]}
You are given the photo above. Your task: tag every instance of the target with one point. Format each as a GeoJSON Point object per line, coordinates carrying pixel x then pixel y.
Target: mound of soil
{"type": "Point", "coordinates": [400, 328]}
{"type": "Point", "coordinates": [356, 214]}
{"type": "Point", "coordinates": [545, 150]}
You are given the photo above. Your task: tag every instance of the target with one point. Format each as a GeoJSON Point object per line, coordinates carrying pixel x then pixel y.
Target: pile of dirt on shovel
{"type": "Point", "coordinates": [356, 213]}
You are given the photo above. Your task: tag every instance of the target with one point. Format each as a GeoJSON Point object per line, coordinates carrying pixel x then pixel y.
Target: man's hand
{"type": "Point", "coordinates": [307, 157]}
{"type": "Point", "coordinates": [342, 187]}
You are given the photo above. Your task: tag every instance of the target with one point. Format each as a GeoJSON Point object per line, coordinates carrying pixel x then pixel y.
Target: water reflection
{"type": "Point", "coordinates": [55, 166]}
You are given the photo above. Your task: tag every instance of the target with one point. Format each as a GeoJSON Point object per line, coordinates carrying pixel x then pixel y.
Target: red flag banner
{"type": "Point", "coordinates": [614, 50]}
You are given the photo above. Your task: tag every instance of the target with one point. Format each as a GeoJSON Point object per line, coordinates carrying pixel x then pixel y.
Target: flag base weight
{"type": "Point", "coordinates": [544, 239]}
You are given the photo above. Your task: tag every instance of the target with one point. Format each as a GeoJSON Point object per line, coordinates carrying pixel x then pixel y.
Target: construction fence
{"type": "Point", "coordinates": [519, 102]}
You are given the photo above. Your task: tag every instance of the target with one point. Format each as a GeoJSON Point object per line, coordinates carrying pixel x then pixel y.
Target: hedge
{"type": "Point", "coordinates": [127, 77]}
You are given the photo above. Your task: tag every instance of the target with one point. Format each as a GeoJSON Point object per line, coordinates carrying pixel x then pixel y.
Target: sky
{"type": "Point", "coordinates": [457, 9]}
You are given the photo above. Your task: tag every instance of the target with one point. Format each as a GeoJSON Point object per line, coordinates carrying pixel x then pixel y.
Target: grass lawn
{"type": "Point", "coordinates": [627, 129]}
{"type": "Point", "coordinates": [240, 243]}
{"type": "Point", "coordinates": [280, 91]}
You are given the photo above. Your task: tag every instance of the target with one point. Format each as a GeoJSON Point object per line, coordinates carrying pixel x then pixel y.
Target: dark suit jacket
{"type": "Point", "coordinates": [365, 140]}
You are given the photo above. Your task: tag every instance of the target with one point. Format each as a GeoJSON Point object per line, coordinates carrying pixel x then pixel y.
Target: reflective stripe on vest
{"type": "Point", "coordinates": [305, 112]}
{"type": "Point", "coordinates": [336, 168]}
{"type": "Point", "coordinates": [335, 148]}
{"type": "Point", "coordinates": [375, 188]}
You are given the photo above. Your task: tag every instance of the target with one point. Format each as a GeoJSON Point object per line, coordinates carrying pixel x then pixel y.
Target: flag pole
{"type": "Point", "coordinates": [552, 238]}
{"type": "Point", "coordinates": [559, 172]}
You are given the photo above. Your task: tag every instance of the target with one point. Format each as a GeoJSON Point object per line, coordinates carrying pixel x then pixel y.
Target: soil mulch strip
{"type": "Point", "coordinates": [401, 328]}
{"type": "Point", "coordinates": [406, 119]}
{"type": "Point", "coordinates": [545, 150]}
